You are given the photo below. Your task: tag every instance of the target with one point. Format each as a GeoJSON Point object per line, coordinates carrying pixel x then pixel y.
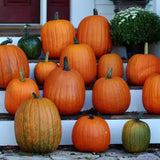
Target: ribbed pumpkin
{"type": "Point", "coordinates": [111, 95]}
{"type": "Point", "coordinates": [42, 69]}
{"type": "Point", "coordinates": [107, 61]}
{"type": "Point", "coordinates": [18, 91]}
{"type": "Point", "coordinates": [66, 88]}
{"type": "Point", "coordinates": [81, 57]}
{"type": "Point", "coordinates": [151, 94]}
{"type": "Point", "coordinates": [136, 135]}
{"type": "Point", "coordinates": [94, 30]}
{"type": "Point", "coordinates": [56, 35]}
{"type": "Point", "coordinates": [38, 126]}
{"type": "Point", "coordinates": [12, 58]}
{"type": "Point", "coordinates": [91, 134]}
{"type": "Point", "coordinates": [140, 66]}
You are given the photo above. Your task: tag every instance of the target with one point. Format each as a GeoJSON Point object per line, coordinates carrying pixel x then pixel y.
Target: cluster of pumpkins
{"type": "Point", "coordinates": [37, 120]}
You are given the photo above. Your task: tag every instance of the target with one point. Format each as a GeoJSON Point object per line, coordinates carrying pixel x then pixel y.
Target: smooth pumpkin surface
{"type": "Point", "coordinates": [38, 126]}
{"type": "Point", "coordinates": [91, 134]}
{"type": "Point", "coordinates": [151, 94]}
{"type": "Point", "coordinates": [107, 61]}
{"type": "Point", "coordinates": [81, 57]}
{"type": "Point", "coordinates": [94, 30]}
{"type": "Point", "coordinates": [12, 58]}
{"type": "Point", "coordinates": [135, 136]}
{"type": "Point", "coordinates": [111, 95]}
{"type": "Point", "coordinates": [66, 88]}
{"type": "Point", "coordinates": [18, 91]}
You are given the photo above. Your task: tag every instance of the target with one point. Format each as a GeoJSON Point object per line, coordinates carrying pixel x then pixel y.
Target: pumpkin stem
{"type": "Point", "coordinates": [109, 75]}
{"type": "Point", "coordinates": [66, 66]}
{"type": "Point", "coordinates": [56, 16]}
{"type": "Point", "coordinates": [26, 32]}
{"type": "Point", "coordinates": [46, 57]}
{"type": "Point", "coordinates": [95, 12]}
{"type": "Point", "coordinates": [21, 76]}
{"type": "Point", "coordinates": [76, 41]}
{"type": "Point", "coordinates": [146, 48]}
{"type": "Point", "coordinates": [91, 117]}
{"type": "Point", "coordinates": [9, 40]}
{"type": "Point", "coordinates": [139, 117]}
{"type": "Point", "coordinates": [34, 95]}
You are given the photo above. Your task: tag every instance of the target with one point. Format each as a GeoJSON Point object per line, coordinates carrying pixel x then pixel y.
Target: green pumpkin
{"type": "Point", "coordinates": [136, 135]}
{"type": "Point", "coordinates": [31, 45]}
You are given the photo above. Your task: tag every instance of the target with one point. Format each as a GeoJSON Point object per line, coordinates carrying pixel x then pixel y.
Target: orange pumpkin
{"type": "Point", "coordinates": [81, 57]}
{"type": "Point", "coordinates": [91, 133]}
{"type": "Point", "coordinates": [95, 31]}
{"type": "Point", "coordinates": [38, 126]}
{"type": "Point", "coordinates": [56, 35]}
{"type": "Point", "coordinates": [108, 61]}
{"type": "Point", "coordinates": [66, 88]}
{"type": "Point", "coordinates": [151, 94]}
{"type": "Point", "coordinates": [111, 95]}
{"type": "Point", "coordinates": [12, 58]}
{"type": "Point", "coordinates": [141, 66]}
{"type": "Point", "coordinates": [42, 69]}
{"type": "Point", "coordinates": [18, 91]}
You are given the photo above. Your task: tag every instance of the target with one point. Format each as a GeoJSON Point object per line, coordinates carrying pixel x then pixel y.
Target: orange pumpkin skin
{"type": "Point", "coordinates": [66, 89]}
{"type": "Point", "coordinates": [140, 66]}
{"type": "Point", "coordinates": [108, 61]}
{"type": "Point", "coordinates": [95, 31]}
{"type": "Point", "coordinates": [12, 59]}
{"type": "Point", "coordinates": [55, 36]}
{"type": "Point", "coordinates": [151, 94]}
{"type": "Point", "coordinates": [38, 126]}
{"type": "Point", "coordinates": [18, 92]}
{"type": "Point", "coordinates": [81, 57]}
{"type": "Point", "coordinates": [91, 134]}
{"type": "Point", "coordinates": [111, 95]}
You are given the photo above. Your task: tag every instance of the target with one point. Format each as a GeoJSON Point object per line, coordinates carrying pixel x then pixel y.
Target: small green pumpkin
{"type": "Point", "coordinates": [31, 45]}
{"type": "Point", "coordinates": [136, 135]}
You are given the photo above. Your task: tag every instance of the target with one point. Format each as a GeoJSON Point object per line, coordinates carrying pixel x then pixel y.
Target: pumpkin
{"type": "Point", "coordinates": [12, 58]}
{"type": "Point", "coordinates": [56, 35]}
{"type": "Point", "coordinates": [38, 126]}
{"type": "Point", "coordinates": [66, 88]}
{"type": "Point", "coordinates": [42, 69]}
{"type": "Point", "coordinates": [80, 57]}
{"type": "Point", "coordinates": [31, 45]}
{"type": "Point", "coordinates": [140, 66]}
{"type": "Point", "coordinates": [111, 95]}
{"type": "Point", "coordinates": [94, 30]}
{"type": "Point", "coordinates": [107, 61]}
{"type": "Point", "coordinates": [151, 94]}
{"type": "Point", "coordinates": [136, 135]}
{"type": "Point", "coordinates": [91, 133]}
{"type": "Point", "coordinates": [18, 91]}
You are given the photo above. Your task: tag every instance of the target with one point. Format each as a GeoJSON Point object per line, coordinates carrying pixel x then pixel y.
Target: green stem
{"type": "Point", "coordinates": [66, 66]}
{"type": "Point", "coordinates": [95, 12]}
{"type": "Point", "coordinates": [76, 41]}
{"type": "Point", "coordinates": [26, 32]}
{"type": "Point", "coordinates": [56, 16]}
{"type": "Point", "coordinates": [146, 48]}
{"type": "Point", "coordinates": [139, 117]}
{"type": "Point", "coordinates": [109, 75]}
{"type": "Point", "coordinates": [21, 76]}
{"type": "Point", "coordinates": [34, 95]}
{"type": "Point", "coordinates": [46, 57]}
{"type": "Point", "coordinates": [9, 40]}
{"type": "Point", "coordinates": [91, 117]}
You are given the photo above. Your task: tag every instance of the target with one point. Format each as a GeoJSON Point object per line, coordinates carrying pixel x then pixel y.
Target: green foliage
{"type": "Point", "coordinates": [134, 26]}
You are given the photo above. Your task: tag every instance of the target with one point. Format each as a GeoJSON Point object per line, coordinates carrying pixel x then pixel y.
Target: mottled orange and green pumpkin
{"type": "Point", "coordinates": [91, 134]}
{"type": "Point", "coordinates": [38, 126]}
{"type": "Point", "coordinates": [12, 58]}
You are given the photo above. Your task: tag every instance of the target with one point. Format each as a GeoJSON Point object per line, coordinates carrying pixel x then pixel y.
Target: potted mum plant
{"type": "Point", "coordinates": [133, 27]}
